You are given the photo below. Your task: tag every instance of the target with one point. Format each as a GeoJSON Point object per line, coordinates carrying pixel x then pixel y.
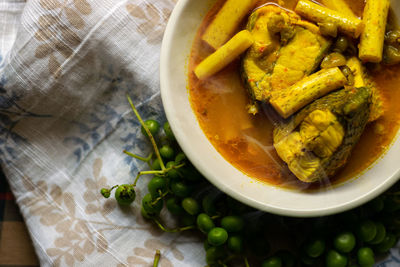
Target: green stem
{"type": "Point", "coordinates": [230, 257]}
{"type": "Point", "coordinates": [145, 172]}
{"type": "Point", "coordinates": [175, 230]}
{"type": "Point", "coordinates": [115, 186]}
{"type": "Point", "coordinates": [153, 142]}
{"type": "Point", "coordinates": [138, 157]}
{"type": "Point", "coordinates": [147, 160]}
{"type": "Point", "coordinates": [246, 262]}
{"type": "Point", "coordinates": [159, 198]}
{"type": "Point", "coordinates": [156, 172]}
{"type": "Point", "coordinates": [156, 258]}
{"type": "Point", "coordinates": [177, 166]}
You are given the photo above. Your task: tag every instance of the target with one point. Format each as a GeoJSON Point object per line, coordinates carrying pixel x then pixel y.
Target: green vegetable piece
{"type": "Point", "coordinates": [315, 247]}
{"type": "Point", "coordinates": [213, 254]}
{"type": "Point", "coordinates": [180, 189]}
{"type": "Point", "coordinates": [191, 206]}
{"type": "Point", "coordinates": [206, 245]}
{"type": "Point", "coordinates": [153, 127]}
{"type": "Point", "coordinates": [155, 165]}
{"type": "Point", "coordinates": [105, 192]}
{"type": "Point", "coordinates": [173, 205]}
{"type": "Point", "coordinates": [190, 173]}
{"type": "Point", "coordinates": [328, 29]}
{"type": "Point", "coordinates": [333, 60]}
{"type": "Point", "coordinates": [149, 207]}
{"type": "Point", "coordinates": [205, 223]}
{"type": "Point", "coordinates": [232, 223]}
{"type": "Point", "coordinates": [365, 257]}
{"type": "Point", "coordinates": [217, 236]}
{"type": "Point", "coordinates": [344, 242]}
{"type": "Point", "coordinates": [387, 243]}
{"type": "Point", "coordinates": [145, 214]}
{"type": "Point", "coordinates": [341, 44]}
{"type": "Point", "coordinates": [335, 259]}
{"type": "Point", "coordinates": [125, 194]}
{"type": "Point", "coordinates": [180, 158]}
{"type": "Point", "coordinates": [235, 244]}
{"type": "Point", "coordinates": [167, 152]}
{"type": "Point", "coordinates": [391, 55]}
{"type": "Point", "coordinates": [168, 131]}
{"type": "Point", "coordinates": [352, 50]}
{"type": "Point", "coordinates": [288, 259]}
{"type": "Point", "coordinates": [173, 173]}
{"type": "Point", "coordinates": [392, 37]}
{"type": "Point", "coordinates": [209, 205]}
{"type": "Point", "coordinates": [367, 231]}
{"type": "Point", "coordinates": [187, 219]}
{"type": "Point", "coordinates": [308, 261]}
{"type": "Point", "coordinates": [155, 185]}
{"type": "Point", "coordinates": [272, 262]}
{"type": "Point", "coordinates": [380, 234]}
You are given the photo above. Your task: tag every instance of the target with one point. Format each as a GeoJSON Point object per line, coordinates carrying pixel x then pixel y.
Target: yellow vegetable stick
{"type": "Point", "coordinates": [226, 21]}
{"type": "Point", "coordinates": [287, 101]}
{"type": "Point", "coordinates": [372, 38]}
{"type": "Point", "coordinates": [224, 55]}
{"type": "Point", "coordinates": [340, 6]}
{"type": "Point", "coordinates": [347, 24]}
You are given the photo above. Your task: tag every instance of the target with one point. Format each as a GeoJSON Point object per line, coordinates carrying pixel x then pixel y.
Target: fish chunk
{"type": "Point", "coordinates": [317, 141]}
{"type": "Point", "coordinates": [285, 50]}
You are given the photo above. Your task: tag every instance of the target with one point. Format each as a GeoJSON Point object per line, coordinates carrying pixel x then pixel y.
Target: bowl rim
{"type": "Point", "coordinates": [193, 157]}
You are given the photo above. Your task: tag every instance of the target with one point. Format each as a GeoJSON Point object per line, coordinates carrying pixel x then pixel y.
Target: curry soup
{"type": "Point", "coordinates": [246, 141]}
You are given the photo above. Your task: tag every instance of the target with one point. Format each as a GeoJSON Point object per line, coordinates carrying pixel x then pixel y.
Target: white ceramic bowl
{"type": "Point", "coordinates": [178, 38]}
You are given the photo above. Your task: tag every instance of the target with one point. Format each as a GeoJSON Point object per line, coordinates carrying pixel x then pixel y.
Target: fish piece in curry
{"type": "Point", "coordinates": [317, 141]}
{"type": "Point", "coordinates": [285, 50]}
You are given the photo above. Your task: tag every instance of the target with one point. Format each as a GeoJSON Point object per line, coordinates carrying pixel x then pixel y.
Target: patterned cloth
{"type": "Point", "coordinates": [65, 68]}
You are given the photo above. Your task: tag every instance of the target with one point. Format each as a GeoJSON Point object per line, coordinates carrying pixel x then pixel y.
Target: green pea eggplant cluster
{"type": "Point", "coordinates": [236, 234]}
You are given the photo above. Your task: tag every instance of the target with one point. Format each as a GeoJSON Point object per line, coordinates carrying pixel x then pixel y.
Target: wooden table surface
{"type": "Point", "coordinates": [16, 247]}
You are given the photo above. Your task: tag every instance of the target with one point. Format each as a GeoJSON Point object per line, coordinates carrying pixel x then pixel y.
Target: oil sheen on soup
{"type": "Point", "coordinates": [245, 140]}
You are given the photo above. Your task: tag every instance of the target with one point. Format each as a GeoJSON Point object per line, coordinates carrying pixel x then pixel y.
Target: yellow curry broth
{"type": "Point", "coordinates": [246, 140]}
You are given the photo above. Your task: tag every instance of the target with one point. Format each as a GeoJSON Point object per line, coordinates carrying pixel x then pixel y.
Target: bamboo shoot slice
{"type": "Point", "coordinates": [347, 24]}
{"type": "Point", "coordinates": [287, 101]}
{"type": "Point", "coordinates": [340, 6]}
{"type": "Point", "coordinates": [224, 55]}
{"type": "Point", "coordinates": [372, 38]}
{"type": "Point", "coordinates": [226, 22]}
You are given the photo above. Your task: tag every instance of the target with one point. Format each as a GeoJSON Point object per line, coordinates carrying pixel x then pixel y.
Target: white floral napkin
{"type": "Point", "coordinates": [65, 68]}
